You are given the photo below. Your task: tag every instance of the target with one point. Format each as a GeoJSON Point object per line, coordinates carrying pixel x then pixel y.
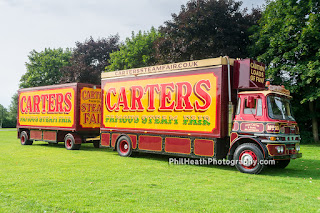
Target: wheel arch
{"type": "Point", "coordinates": [243, 140]}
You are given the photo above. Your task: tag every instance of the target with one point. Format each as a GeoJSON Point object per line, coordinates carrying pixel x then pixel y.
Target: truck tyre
{"type": "Point", "coordinates": [281, 164]}
{"type": "Point", "coordinates": [247, 157]}
{"type": "Point", "coordinates": [124, 146]}
{"type": "Point", "coordinates": [96, 144]}
{"type": "Point", "coordinates": [24, 138]}
{"type": "Point", "coordinates": [69, 142]}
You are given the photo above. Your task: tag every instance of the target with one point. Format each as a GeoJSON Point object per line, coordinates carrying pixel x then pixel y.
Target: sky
{"type": "Point", "coordinates": [38, 24]}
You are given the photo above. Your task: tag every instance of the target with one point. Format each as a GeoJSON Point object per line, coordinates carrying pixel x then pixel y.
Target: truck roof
{"type": "Point", "coordinates": [176, 67]}
{"type": "Point", "coordinates": [265, 92]}
{"type": "Point", "coordinates": [55, 86]}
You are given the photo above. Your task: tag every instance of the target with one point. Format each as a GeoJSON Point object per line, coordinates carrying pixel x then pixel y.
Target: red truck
{"type": "Point", "coordinates": [67, 112]}
{"type": "Point", "coordinates": [211, 108]}
{"type": "Point", "coordinates": [218, 108]}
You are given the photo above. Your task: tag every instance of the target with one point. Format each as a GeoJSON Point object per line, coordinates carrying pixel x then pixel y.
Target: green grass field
{"type": "Point", "coordinates": [48, 178]}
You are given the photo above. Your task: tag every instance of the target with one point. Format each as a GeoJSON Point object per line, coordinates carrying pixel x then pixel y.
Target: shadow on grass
{"type": "Point", "coordinates": [304, 169]}
{"type": "Point", "coordinates": [86, 147]}
{"type": "Point", "coordinates": [294, 170]}
{"type": "Point", "coordinates": [165, 158]}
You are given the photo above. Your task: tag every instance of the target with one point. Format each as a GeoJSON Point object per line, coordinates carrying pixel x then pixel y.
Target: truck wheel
{"type": "Point", "coordinates": [247, 157]}
{"type": "Point", "coordinates": [124, 146]}
{"type": "Point", "coordinates": [24, 139]}
{"type": "Point", "coordinates": [96, 144]}
{"type": "Point", "coordinates": [69, 142]}
{"type": "Point", "coordinates": [281, 164]}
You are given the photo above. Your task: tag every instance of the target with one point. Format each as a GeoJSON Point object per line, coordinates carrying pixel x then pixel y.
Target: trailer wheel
{"type": "Point", "coordinates": [24, 138]}
{"type": "Point", "coordinates": [247, 158]}
{"type": "Point", "coordinates": [281, 164]}
{"type": "Point", "coordinates": [96, 144]}
{"type": "Point", "coordinates": [69, 142]}
{"type": "Point", "coordinates": [124, 146]}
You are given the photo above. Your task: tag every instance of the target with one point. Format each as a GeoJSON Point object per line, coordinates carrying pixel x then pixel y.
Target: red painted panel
{"type": "Point", "coordinates": [50, 135]}
{"type": "Point", "coordinates": [204, 147]}
{"type": "Point", "coordinates": [134, 141]}
{"type": "Point", "coordinates": [178, 145]}
{"type": "Point", "coordinates": [105, 139]}
{"type": "Point", "coordinates": [153, 143]}
{"type": "Point", "coordinates": [233, 136]}
{"type": "Point", "coordinates": [36, 134]}
{"type": "Point", "coordinates": [248, 73]}
{"type": "Point", "coordinates": [235, 126]}
{"type": "Point", "coordinates": [251, 127]}
{"type": "Point", "coordinates": [114, 139]}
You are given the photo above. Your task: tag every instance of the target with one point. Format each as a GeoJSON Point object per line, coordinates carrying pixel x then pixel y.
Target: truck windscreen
{"type": "Point", "coordinates": [279, 108]}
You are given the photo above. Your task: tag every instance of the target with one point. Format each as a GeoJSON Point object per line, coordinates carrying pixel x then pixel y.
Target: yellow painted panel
{"type": "Point", "coordinates": [90, 107]}
{"type": "Point", "coordinates": [47, 108]}
{"type": "Point", "coordinates": [119, 111]}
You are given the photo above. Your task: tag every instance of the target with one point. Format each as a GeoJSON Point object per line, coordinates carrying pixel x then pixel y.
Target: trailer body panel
{"type": "Point", "coordinates": [49, 112]}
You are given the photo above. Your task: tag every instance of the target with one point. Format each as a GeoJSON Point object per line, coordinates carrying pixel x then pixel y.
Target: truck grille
{"type": "Point", "coordinates": [290, 149]}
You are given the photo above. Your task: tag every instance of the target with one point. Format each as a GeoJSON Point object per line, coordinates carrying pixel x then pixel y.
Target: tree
{"type": "Point", "coordinates": [137, 51]}
{"type": "Point", "coordinates": [89, 59]}
{"type": "Point", "coordinates": [5, 120]}
{"type": "Point", "coordinates": [206, 28]}
{"type": "Point", "coordinates": [43, 67]}
{"type": "Point", "coordinates": [3, 112]}
{"type": "Point", "coordinates": [13, 110]}
{"type": "Point", "coordinates": [288, 41]}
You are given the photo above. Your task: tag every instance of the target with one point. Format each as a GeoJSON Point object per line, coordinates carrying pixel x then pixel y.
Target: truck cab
{"type": "Point", "coordinates": [264, 128]}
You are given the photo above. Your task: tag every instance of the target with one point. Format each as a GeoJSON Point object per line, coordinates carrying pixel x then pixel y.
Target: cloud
{"type": "Point", "coordinates": [37, 24]}
{"type": "Point", "coordinates": [30, 24]}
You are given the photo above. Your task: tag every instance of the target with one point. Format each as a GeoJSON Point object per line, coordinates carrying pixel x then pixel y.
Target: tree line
{"type": "Point", "coordinates": [284, 34]}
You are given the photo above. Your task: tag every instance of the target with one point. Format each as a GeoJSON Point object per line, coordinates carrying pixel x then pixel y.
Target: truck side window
{"type": "Point", "coordinates": [259, 107]}
{"type": "Point", "coordinates": [238, 107]}
{"type": "Point", "coordinates": [247, 110]}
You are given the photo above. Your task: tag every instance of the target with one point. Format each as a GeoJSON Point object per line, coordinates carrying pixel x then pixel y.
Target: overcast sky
{"type": "Point", "coordinates": [37, 24]}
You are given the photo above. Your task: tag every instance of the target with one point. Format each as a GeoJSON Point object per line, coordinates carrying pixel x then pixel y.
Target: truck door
{"type": "Point", "coordinates": [251, 108]}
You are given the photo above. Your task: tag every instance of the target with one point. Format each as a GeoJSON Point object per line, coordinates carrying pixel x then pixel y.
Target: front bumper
{"type": "Point", "coordinates": [284, 157]}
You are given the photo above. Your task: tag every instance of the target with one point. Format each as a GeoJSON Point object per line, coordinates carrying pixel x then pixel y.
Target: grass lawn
{"type": "Point", "coordinates": [49, 178]}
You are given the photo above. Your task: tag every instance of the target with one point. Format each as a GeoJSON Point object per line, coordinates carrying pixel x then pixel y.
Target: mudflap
{"type": "Point", "coordinates": [221, 148]}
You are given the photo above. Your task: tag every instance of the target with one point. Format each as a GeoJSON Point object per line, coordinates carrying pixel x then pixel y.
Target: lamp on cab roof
{"type": "Point", "coordinates": [267, 83]}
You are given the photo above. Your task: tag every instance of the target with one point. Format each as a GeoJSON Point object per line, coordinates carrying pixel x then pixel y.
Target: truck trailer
{"type": "Point", "coordinates": [66, 112]}
{"type": "Point", "coordinates": [217, 108]}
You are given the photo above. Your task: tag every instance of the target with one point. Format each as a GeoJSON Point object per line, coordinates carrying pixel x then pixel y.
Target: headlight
{"type": "Point", "coordinates": [298, 147]}
{"type": "Point", "coordinates": [279, 149]}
